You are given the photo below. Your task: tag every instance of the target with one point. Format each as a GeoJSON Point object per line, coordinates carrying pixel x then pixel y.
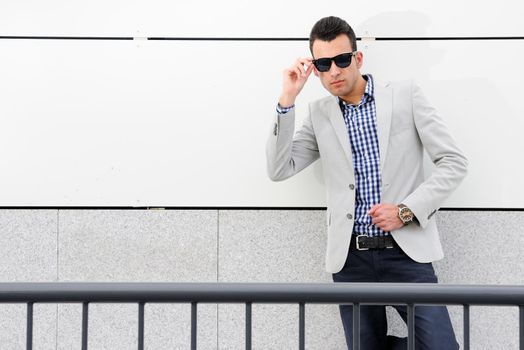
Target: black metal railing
{"type": "Point", "coordinates": [357, 294]}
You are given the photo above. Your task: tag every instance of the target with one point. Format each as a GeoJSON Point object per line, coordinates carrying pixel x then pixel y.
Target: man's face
{"type": "Point", "coordinates": [338, 81]}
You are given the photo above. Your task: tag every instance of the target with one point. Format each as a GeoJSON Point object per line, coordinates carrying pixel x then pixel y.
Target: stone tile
{"type": "Point", "coordinates": [494, 328]}
{"type": "Point", "coordinates": [44, 326]}
{"type": "Point", "coordinates": [275, 246]}
{"type": "Point", "coordinates": [324, 328]}
{"type": "Point", "coordinates": [28, 253]}
{"type": "Point", "coordinates": [272, 246]}
{"type": "Point", "coordinates": [28, 245]}
{"type": "Point", "coordinates": [481, 247]}
{"type": "Point", "coordinates": [137, 246]}
{"type": "Point", "coordinates": [13, 325]}
{"type": "Point", "coordinates": [141, 246]}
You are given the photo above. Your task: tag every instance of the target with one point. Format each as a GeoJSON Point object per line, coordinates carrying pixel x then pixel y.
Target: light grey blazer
{"type": "Point", "coordinates": [407, 124]}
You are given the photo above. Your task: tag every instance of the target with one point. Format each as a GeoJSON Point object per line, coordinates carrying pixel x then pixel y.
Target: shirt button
{"type": "Point", "coordinates": [351, 186]}
{"type": "Point", "coordinates": [349, 216]}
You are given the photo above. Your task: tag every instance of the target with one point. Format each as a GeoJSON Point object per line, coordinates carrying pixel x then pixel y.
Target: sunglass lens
{"type": "Point", "coordinates": [323, 64]}
{"type": "Point", "coordinates": [343, 61]}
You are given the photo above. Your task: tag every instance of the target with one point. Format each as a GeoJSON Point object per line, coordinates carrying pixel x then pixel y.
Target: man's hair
{"type": "Point", "coordinates": [328, 28]}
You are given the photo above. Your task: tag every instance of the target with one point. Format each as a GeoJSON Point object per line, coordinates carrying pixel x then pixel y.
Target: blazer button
{"type": "Point", "coordinates": [351, 186]}
{"type": "Point", "coordinates": [349, 216]}
{"type": "Point", "coordinates": [275, 129]}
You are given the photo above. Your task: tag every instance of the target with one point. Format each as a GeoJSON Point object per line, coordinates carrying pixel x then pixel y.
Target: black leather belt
{"type": "Point", "coordinates": [363, 242]}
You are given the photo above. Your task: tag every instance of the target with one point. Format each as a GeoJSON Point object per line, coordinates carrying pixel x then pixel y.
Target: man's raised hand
{"type": "Point", "coordinates": [294, 79]}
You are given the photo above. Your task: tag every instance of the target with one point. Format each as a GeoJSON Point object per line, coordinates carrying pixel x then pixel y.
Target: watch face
{"type": "Point", "coordinates": [406, 214]}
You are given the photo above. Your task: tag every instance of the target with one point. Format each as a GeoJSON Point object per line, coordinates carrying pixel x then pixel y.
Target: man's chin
{"type": "Point", "coordinates": [337, 93]}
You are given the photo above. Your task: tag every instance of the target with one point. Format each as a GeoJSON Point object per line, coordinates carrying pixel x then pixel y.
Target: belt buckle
{"type": "Point", "coordinates": [358, 245]}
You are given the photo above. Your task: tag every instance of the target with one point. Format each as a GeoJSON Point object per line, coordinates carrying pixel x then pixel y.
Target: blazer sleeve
{"type": "Point", "coordinates": [451, 164]}
{"type": "Point", "coordinates": [286, 154]}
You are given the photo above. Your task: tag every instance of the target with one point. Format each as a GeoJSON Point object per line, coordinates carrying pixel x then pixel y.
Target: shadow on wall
{"type": "Point", "coordinates": [461, 79]}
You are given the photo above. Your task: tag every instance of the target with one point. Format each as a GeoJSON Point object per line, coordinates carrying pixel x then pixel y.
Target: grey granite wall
{"type": "Point", "coordinates": [226, 246]}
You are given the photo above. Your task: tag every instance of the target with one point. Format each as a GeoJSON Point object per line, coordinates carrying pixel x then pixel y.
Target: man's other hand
{"type": "Point", "coordinates": [385, 216]}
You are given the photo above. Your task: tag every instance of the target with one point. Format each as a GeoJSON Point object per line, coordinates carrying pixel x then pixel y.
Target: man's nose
{"type": "Point", "coordinates": [334, 70]}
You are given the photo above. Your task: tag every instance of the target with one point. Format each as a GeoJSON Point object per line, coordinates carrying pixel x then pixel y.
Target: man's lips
{"type": "Point", "coordinates": [336, 82]}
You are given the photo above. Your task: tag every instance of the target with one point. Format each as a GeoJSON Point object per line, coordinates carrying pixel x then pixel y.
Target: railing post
{"type": "Point", "coordinates": [29, 330]}
{"type": "Point", "coordinates": [521, 326]}
{"type": "Point", "coordinates": [193, 326]}
{"type": "Point", "coordinates": [141, 326]}
{"type": "Point", "coordinates": [466, 327]}
{"type": "Point", "coordinates": [356, 326]}
{"type": "Point", "coordinates": [248, 326]}
{"type": "Point", "coordinates": [411, 327]}
{"type": "Point", "coordinates": [302, 326]}
{"type": "Point", "coordinates": [85, 319]}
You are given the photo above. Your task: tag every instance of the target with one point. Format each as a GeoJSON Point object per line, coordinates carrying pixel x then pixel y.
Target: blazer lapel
{"type": "Point", "coordinates": [337, 121]}
{"type": "Point", "coordinates": [384, 105]}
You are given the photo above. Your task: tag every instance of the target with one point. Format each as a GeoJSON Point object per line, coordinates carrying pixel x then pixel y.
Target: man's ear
{"type": "Point", "coordinates": [359, 57]}
{"type": "Point", "coordinates": [315, 71]}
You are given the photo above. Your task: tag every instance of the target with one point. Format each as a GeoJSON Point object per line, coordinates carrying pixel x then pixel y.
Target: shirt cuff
{"type": "Point", "coordinates": [284, 110]}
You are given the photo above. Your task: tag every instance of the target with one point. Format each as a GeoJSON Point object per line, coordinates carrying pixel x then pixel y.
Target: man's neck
{"type": "Point", "coordinates": [355, 96]}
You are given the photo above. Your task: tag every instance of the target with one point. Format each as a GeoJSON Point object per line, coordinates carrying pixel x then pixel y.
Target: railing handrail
{"type": "Point", "coordinates": [322, 293]}
{"type": "Point", "coordinates": [410, 294]}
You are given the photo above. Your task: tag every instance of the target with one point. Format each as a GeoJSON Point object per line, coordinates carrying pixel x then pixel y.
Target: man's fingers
{"type": "Point", "coordinates": [298, 72]}
{"type": "Point", "coordinates": [309, 69]}
{"type": "Point", "coordinates": [289, 72]}
{"type": "Point", "coordinates": [302, 70]}
{"type": "Point", "coordinates": [377, 220]}
{"type": "Point", "coordinates": [304, 61]}
{"type": "Point", "coordinates": [373, 209]}
{"type": "Point", "coordinates": [304, 65]}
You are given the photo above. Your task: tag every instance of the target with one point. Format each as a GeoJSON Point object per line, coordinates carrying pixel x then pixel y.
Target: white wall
{"type": "Point", "coordinates": [184, 123]}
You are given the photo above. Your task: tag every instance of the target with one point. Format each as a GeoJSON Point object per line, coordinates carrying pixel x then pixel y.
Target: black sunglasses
{"type": "Point", "coordinates": [342, 61]}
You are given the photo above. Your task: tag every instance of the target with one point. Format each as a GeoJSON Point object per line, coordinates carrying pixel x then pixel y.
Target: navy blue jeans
{"type": "Point", "coordinates": [433, 329]}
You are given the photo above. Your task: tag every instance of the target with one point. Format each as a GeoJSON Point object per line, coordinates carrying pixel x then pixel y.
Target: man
{"type": "Point", "coordinates": [370, 137]}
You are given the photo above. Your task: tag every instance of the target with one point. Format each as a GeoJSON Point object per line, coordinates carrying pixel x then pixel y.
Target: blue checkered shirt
{"type": "Point", "coordinates": [361, 124]}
